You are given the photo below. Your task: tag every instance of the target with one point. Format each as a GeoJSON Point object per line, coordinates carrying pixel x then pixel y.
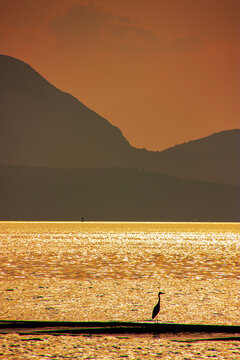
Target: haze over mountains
{"type": "Point", "coordinates": [111, 194]}
{"type": "Point", "coordinates": [42, 126]}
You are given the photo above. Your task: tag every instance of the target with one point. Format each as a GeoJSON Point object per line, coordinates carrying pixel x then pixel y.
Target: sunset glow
{"type": "Point", "coordinates": [164, 72]}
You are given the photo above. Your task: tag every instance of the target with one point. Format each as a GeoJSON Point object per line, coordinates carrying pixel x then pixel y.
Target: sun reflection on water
{"type": "Point", "coordinates": [119, 254]}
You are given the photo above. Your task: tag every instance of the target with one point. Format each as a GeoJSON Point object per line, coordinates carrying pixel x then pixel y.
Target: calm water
{"type": "Point", "coordinates": [113, 271]}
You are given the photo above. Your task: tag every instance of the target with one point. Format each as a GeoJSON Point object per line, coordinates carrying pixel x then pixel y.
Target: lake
{"type": "Point", "coordinates": [113, 271]}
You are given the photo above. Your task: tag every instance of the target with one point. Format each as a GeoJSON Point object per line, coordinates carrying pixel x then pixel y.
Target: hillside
{"type": "Point", "coordinates": [43, 126]}
{"type": "Point", "coordinates": [111, 194]}
{"type": "Point", "coordinates": [215, 158]}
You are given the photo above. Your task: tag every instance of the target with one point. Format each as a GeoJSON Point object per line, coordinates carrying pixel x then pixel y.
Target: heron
{"type": "Point", "coordinates": [156, 308]}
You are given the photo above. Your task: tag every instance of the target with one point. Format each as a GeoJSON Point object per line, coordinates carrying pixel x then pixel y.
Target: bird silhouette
{"type": "Point", "coordinates": [156, 308]}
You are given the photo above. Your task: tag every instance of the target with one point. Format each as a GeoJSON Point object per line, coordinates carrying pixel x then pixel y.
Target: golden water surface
{"type": "Point", "coordinates": [113, 271]}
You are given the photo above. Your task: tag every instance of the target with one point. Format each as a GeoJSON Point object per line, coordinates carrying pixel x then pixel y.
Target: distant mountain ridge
{"type": "Point", "coordinates": [214, 158]}
{"type": "Point", "coordinates": [113, 194]}
{"type": "Point", "coordinates": [43, 126]}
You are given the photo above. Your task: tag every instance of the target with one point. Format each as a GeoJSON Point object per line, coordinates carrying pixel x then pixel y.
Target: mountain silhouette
{"type": "Point", "coordinates": [45, 127]}
{"type": "Point", "coordinates": [214, 158]}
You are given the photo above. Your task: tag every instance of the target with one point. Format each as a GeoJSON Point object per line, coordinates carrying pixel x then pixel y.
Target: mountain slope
{"type": "Point", "coordinates": [43, 126]}
{"type": "Point", "coordinates": [214, 158]}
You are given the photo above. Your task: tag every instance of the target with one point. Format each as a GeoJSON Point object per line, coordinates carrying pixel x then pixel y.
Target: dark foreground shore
{"type": "Point", "coordinates": [111, 327]}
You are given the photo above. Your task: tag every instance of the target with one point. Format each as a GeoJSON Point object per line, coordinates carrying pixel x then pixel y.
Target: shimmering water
{"type": "Point", "coordinates": [113, 271]}
{"type": "Point", "coordinates": [104, 271]}
{"type": "Point", "coordinates": [120, 250]}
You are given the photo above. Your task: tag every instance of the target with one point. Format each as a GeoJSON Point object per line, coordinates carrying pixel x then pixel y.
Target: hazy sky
{"type": "Point", "coordinates": [163, 71]}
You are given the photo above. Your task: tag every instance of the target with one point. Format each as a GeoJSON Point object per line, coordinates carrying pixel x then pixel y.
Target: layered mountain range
{"type": "Point", "coordinates": [43, 127]}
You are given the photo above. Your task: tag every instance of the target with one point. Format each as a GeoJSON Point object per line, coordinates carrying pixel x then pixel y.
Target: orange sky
{"type": "Point", "coordinates": [163, 71]}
